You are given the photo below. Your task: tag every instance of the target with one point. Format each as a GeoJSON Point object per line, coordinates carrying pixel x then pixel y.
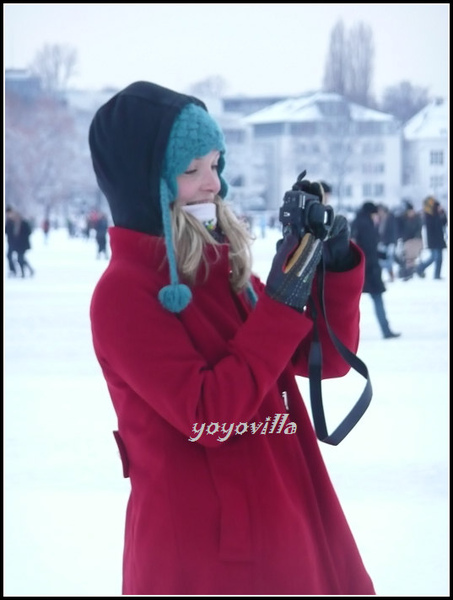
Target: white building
{"type": "Point", "coordinates": [362, 153]}
{"type": "Point", "coordinates": [357, 150]}
{"type": "Point", "coordinates": [425, 154]}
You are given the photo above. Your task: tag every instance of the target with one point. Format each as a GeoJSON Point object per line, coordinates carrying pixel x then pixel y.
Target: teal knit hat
{"type": "Point", "coordinates": [193, 135]}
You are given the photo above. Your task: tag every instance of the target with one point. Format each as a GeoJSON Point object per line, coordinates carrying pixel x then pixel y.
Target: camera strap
{"type": "Point", "coordinates": [315, 377]}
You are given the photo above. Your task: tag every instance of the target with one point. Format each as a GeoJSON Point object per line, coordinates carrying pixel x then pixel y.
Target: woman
{"type": "Point", "coordinates": [410, 230]}
{"type": "Point", "coordinates": [229, 492]}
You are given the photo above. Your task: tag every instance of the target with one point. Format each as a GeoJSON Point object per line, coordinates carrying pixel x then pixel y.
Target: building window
{"type": "Point", "coordinates": [340, 149]}
{"type": "Point", "coordinates": [379, 190]}
{"type": "Point", "coordinates": [436, 157]}
{"type": "Point", "coordinates": [370, 128]}
{"type": "Point", "coordinates": [373, 148]}
{"type": "Point", "coordinates": [373, 190]}
{"type": "Point", "coordinates": [435, 182]}
{"type": "Point", "coordinates": [408, 176]}
{"type": "Point", "coordinates": [303, 128]}
{"type": "Point", "coordinates": [269, 129]}
{"type": "Point", "coordinates": [346, 190]}
{"type": "Point", "coordinates": [369, 168]}
{"type": "Point", "coordinates": [367, 190]}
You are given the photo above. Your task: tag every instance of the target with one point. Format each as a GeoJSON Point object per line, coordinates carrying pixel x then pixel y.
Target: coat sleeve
{"type": "Point", "coordinates": [342, 293]}
{"type": "Point", "coordinates": [146, 354]}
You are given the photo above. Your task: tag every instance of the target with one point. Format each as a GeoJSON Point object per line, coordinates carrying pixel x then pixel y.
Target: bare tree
{"type": "Point", "coordinates": [39, 152]}
{"type": "Point", "coordinates": [214, 86]}
{"type": "Point", "coordinates": [404, 100]}
{"type": "Point", "coordinates": [360, 64]}
{"type": "Point", "coordinates": [338, 154]}
{"type": "Point", "coordinates": [350, 63]}
{"type": "Point", "coordinates": [55, 65]}
{"type": "Point", "coordinates": [335, 70]}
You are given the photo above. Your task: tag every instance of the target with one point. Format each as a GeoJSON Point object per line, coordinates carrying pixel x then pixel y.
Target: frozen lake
{"type": "Point", "coordinates": [65, 498]}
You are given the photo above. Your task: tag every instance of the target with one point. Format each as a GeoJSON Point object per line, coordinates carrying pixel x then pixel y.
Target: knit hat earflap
{"type": "Point", "coordinates": [193, 135]}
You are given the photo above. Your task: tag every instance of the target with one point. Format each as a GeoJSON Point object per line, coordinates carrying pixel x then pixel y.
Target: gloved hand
{"type": "Point", "coordinates": [293, 269]}
{"type": "Point", "coordinates": [336, 253]}
{"type": "Point", "coordinates": [318, 217]}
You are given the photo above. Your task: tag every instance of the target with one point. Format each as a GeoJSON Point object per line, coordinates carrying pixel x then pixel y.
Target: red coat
{"type": "Point", "coordinates": [250, 512]}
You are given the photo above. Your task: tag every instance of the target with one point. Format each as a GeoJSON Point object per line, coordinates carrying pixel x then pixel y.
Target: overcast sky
{"type": "Point", "coordinates": [259, 49]}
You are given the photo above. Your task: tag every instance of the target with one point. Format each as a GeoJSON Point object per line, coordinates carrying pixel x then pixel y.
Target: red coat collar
{"type": "Point", "coordinates": [150, 251]}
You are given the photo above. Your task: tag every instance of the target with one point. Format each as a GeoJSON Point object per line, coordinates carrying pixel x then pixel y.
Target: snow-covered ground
{"type": "Point", "coordinates": [64, 495]}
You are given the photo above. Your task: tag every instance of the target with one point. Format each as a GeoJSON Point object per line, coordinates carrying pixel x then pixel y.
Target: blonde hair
{"type": "Point", "coordinates": [190, 237]}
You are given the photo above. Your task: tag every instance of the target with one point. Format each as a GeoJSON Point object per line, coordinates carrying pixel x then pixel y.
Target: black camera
{"type": "Point", "coordinates": [303, 212]}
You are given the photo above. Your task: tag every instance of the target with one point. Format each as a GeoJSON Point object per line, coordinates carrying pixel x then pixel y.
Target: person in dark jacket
{"type": "Point", "coordinates": [18, 232]}
{"type": "Point", "coordinates": [229, 493]}
{"type": "Point", "coordinates": [435, 222]}
{"type": "Point", "coordinates": [388, 239]}
{"type": "Point", "coordinates": [46, 229]}
{"type": "Point", "coordinates": [10, 239]}
{"type": "Point", "coordinates": [410, 232]}
{"type": "Point", "coordinates": [101, 228]}
{"type": "Point", "coordinates": [364, 231]}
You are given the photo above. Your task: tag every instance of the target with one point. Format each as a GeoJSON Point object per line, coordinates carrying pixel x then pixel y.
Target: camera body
{"type": "Point", "coordinates": [303, 212]}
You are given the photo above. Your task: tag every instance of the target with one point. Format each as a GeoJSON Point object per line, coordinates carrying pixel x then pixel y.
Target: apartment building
{"type": "Point", "coordinates": [425, 154]}
{"type": "Point", "coordinates": [357, 150]}
{"type": "Point", "coordinates": [362, 153]}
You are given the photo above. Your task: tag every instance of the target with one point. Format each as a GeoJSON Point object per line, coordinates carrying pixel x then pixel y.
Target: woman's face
{"type": "Point", "coordinates": [200, 182]}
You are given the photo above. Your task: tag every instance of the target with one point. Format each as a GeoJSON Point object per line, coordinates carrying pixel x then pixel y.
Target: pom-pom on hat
{"type": "Point", "coordinates": [194, 134]}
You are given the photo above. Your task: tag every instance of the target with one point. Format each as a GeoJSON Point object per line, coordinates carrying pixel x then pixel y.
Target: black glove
{"type": "Point", "coordinates": [337, 253]}
{"type": "Point", "coordinates": [293, 268]}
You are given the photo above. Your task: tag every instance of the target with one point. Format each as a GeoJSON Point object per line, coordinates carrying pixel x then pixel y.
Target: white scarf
{"type": "Point", "coordinates": [206, 213]}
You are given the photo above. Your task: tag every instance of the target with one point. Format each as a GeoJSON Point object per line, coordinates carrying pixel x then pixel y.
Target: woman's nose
{"type": "Point", "coordinates": [211, 181]}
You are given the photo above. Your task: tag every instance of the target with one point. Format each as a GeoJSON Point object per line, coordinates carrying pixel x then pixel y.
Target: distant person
{"type": "Point", "coordinates": [46, 229]}
{"type": "Point", "coordinates": [410, 231]}
{"type": "Point", "coordinates": [435, 222]}
{"type": "Point", "coordinates": [18, 235]}
{"type": "Point", "coordinates": [195, 347]}
{"type": "Point", "coordinates": [364, 231]}
{"type": "Point", "coordinates": [10, 238]}
{"type": "Point", "coordinates": [71, 227]}
{"type": "Point", "coordinates": [101, 229]}
{"type": "Point", "coordinates": [388, 239]}
{"type": "Point", "coordinates": [327, 189]}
